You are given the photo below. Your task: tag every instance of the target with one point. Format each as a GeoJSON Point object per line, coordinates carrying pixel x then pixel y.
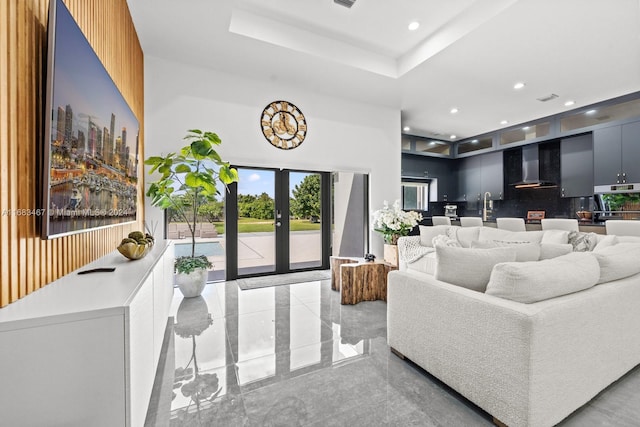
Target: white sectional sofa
{"type": "Point", "coordinates": [542, 340]}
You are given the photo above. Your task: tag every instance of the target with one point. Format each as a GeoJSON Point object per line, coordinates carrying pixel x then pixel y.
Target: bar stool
{"type": "Point", "coordinates": [511, 224]}
{"type": "Point", "coordinates": [441, 220]}
{"type": "Point", "coordinates": [559, 224]}
{"type": "Point", "coordinates": [621, 227]}
{"type": "Point", "coordinates": [470, 221]}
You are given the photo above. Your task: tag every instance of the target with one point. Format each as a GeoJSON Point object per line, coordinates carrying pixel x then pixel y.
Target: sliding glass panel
{"type": "Point", "coordinates": [305, 237]}
{"type": "Point", "coordinates": [256, 227]}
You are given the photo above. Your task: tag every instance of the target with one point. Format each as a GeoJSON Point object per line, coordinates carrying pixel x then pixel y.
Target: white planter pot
{"type": "Point", "coordinates": [192, 284]}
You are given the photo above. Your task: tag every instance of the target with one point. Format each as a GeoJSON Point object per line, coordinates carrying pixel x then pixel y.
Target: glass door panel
{"type": "Point", "coordinates": [278, 221]}
{"type": "Point", "coordinates": [256, 225]}
{"type": "Point", "coordinates": [305, 223]}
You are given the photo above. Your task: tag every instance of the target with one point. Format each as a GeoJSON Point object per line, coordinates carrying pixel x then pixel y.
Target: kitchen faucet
{"type": "Point", "coordinates": [487, 207]}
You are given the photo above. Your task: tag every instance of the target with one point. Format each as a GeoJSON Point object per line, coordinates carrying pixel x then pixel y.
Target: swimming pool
{"type": "Point", "coordinates": [202, 248]}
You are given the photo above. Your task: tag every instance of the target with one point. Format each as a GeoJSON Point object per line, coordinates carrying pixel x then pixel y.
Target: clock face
{"type": "Point", "coordinates": [283, 124]}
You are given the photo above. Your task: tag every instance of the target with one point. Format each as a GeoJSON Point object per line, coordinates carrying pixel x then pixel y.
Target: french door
{"type": "Point", "coordinates": [277, 221]}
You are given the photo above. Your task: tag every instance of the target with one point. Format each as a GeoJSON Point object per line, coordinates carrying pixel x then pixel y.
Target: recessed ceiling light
{"type": "Point", "coordinates": [453, 137]}
{"type": "Point", "coordinates": [569, 103]}
{"type": "Point", "coordinates": [432, 143]}
{"type": "Point", "coordinates": [414, 26]}
{"type": "Point", "coordinates": [474, 141]}
{"type": "Point", "coordinates": [454, 110]}
{"type": "Point", "coordinates": [525, 128]}
{"type": "Point", "coordinates": [591, 112]}
{"type": "Point", "coordinates": [518, 85]}
{"type": "Point", "coordinates": [504, 122]}
{"type": "Point", "coordinates": [406, 128]}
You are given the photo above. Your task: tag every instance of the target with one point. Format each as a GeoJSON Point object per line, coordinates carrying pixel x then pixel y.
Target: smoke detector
{"type": "Point", "coordinates": [345, 3]}
{"type": "Point", "coordinates": [547, 98]}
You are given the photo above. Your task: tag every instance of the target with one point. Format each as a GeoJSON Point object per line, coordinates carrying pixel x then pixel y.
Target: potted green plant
{"type": "Point", "coordinates": [190, 175]}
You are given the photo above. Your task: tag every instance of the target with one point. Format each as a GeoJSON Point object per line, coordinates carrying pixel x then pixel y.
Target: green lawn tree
{"type": "Point", "coordinates": [212, 211]}
{"type": "Point", "coordinates": [305, 202]}
{"type": "Point", "coordinates": [258, 207]}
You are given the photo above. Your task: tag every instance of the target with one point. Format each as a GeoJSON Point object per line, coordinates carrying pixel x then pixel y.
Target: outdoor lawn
{"type": "Point", "coordinates": [252, 225]}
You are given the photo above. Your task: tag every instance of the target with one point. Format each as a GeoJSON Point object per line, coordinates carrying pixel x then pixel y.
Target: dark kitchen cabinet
{"type": "Point", "coordinates": [576, 166]}
{"type": "Point", "coordinates": [441, 172]}
{"type": "Point", "coordinates": [492, 179]}
{"type": "Point", "coordinates": [469, 176]}
{"type": "Point", "coordinates": [616, 154]}
{"type": "Point", "coordinates": [631, 152]}
{"type": "Point", "coordinates": [479, 174]}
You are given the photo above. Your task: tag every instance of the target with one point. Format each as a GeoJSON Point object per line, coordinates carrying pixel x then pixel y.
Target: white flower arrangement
{"type": "Point", "coordinates": [393, 222]}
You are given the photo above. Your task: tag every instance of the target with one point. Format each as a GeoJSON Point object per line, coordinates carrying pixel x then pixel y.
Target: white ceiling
{"type": "Point", "coordinates": [466, 53]}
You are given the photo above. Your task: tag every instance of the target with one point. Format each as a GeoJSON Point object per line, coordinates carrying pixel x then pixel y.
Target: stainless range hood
{"type": "Point", "coordinates": [531, 170]}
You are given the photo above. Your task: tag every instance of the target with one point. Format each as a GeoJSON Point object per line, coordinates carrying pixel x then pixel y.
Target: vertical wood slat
{"type": "Point", "coordinates": [26, 262]}
{"type": "Point", "coordinates": [11, 160]}
{"type": "Point", "coordinates": [4, 145]}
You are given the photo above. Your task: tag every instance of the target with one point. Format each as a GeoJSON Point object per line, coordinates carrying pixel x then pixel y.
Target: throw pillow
{"type": "Point", "coordinates": [552, 250]}
{"type": "Point", "coordinates": [529, 282]}
{"type": "Point", "coordinates": [605, 242]}
{"type": "Point", "coordinates": [427, 233]}
{"type": "Point", "coordinates": [524, 251]}
{"type": "Point", "coordinates": [618, 261]}
{"type": "Point", "coordinates": [466, 235]}
{"type": "Point", "coordinates": [490, 233]}
{"type": "Point", "coordinates": [425, 264]}
{"type": "Point", "coordinates": [582, 242]}
{"type": "Point", "coordinates": [443, 240]}
{"type": "Point", "coordinates": [559, 237]}
{"type": "Point", "coordinates": [469, 268]}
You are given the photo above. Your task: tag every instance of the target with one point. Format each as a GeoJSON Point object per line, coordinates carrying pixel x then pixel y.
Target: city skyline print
{"type": "Point", "coordinates": [93, 139]}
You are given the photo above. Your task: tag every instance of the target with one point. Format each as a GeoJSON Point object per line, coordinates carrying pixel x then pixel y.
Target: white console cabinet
{"type": "Point", "coordinates": [83, 350]}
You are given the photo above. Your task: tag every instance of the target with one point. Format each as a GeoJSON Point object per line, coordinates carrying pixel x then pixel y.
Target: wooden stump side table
{"type": "Point", "coordinates": [336, 262]}
{"type": "Point", "coordinates": [364, 281]}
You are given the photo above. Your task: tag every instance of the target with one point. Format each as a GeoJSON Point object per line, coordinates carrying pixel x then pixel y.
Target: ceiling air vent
{"type": "Point", "coordinates": [547, 98]}
{"type": "Point", "coordinates": [345, 3]}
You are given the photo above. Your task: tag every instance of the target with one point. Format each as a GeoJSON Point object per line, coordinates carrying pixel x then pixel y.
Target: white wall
{"type": "Point", "coordinates": [342, 135]}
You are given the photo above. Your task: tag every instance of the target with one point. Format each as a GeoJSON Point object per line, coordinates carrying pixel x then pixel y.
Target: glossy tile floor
{"type": "Point", "coordinates": [293, 356]}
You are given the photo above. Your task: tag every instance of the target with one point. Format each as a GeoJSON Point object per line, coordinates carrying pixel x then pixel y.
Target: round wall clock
{"type": "Point", "coordinates": [283, 124]}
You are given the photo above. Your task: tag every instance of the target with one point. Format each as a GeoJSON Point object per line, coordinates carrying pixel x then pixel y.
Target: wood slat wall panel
{"type": "Point", "coordinates": [28, 263]}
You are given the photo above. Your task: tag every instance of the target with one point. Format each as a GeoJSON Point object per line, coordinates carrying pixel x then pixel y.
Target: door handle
{"type": "Point", "coordinates": [278, 223]}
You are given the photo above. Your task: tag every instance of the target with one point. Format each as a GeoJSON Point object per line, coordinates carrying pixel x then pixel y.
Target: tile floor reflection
{"type": "Point", "coordinates": [293, 356]}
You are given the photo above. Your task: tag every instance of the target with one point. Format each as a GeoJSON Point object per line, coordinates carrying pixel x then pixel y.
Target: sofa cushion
{"type": "Point", "coordinates": [524, 251]}
{"type": "Point", "coordinates": [582, 242]}
{"type": "Point", "coordinates": [427, 233]}
{"type": "Point", "coordinates": [628, 239]}
{"type": "Point", "coordinates": [559, 237]}
{"type": "Point", "coordinates": [529, 282]}
{"type": "Point", "coordinates": [490, 233]}
{"type": "Point", "coordinates": [618, 261]}
{"type": "Point", "coordinates": [467, 267]}
{"type": "Point", "coordinates": [552, 250]}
